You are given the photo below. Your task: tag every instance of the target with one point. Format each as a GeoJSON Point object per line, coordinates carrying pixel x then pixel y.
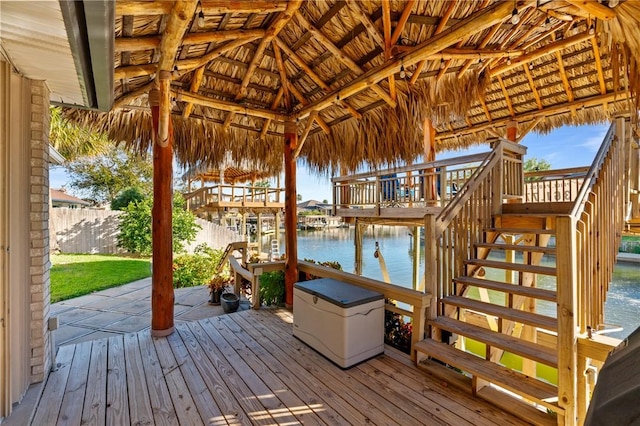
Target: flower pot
{"type": "Point", "coordinates": [215, 296]}
{"type": "Point", "coordinates": [230, 302]}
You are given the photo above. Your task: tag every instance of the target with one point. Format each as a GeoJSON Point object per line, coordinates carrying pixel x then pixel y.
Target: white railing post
{"type": "Point", "coordinates": [567, 314]}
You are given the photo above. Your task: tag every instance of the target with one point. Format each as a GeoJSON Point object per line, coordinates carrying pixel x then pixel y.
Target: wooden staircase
{"type": "Point", "coordinates": [504, 318]}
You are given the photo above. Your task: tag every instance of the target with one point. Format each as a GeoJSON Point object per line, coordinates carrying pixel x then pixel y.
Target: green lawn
{"type": "Point", "coordinates": [74, 275]}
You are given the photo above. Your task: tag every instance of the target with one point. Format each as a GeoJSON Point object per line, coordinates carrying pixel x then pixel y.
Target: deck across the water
{"type": "Point", "coordinates": [244, 368]}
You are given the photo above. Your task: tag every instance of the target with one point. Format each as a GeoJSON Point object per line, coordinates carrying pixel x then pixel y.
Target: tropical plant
{"type": "Point", "coordinates": [73, 141]}
{"type": "Point", "coordinates": [272, 289]}
{"type": "Point", "coordinates": [198, 268]}
{"type": "Point", "coordinates": [135, 226]}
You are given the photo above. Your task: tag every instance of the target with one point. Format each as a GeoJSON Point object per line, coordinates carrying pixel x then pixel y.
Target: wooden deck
{"type": "Point", "coordinates": [244, 368]}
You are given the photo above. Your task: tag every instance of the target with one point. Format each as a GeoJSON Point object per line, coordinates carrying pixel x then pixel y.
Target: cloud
{"type": "Point", "coordinates": [593, 142]}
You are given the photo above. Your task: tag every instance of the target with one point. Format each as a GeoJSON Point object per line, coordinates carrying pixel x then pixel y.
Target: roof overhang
{"type": "Point", "coordinates": [67, 43]}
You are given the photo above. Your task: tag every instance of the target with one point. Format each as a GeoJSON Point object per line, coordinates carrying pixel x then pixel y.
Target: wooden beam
{"type": "Point", "coordinates": [195, 86]}
{"type": "Point", "coordinates": [284, 81]}
{"type": "Point", "coordinates": [474, 23]}
{"type": "Point", "coordinates": [386, 43]}
{"type": "Point", "coordinates": [274, 106]}
{"type": "Point", "coordinates": [350, 63]}
{"type": "Point", "coordinates": [178, 23]}
{"type": "Point", "coordinates": [532, 85]}
{"type": "Point", "coordinates": [529, 128]}
{"type": "Point", "coordinates": [364, 19]}
{"type": "Point", "coordinates": [305, 134]}
{"type": "Point", "coordinates": [140, 8]}
{"type": "Point", "coordinates": [441, 25]}
{"type": "Point", "coordinates": [506, 96]}
{"type": "Point", "coordinates": [215, 7]}
{"type": "Point", "coordinates": [546, 50]}
{"type": "Point", "coordinates": [127, 97]}
{"type": "Point", "coordinates": [402, 21]}
{"type": "Point", "coordinates": [595, 9]}
{"type": "Point", "coordinates": [589, 102]}
{"type": "Point", "coordinates": [485, 41]}
{"type": "Point", "coordinates": [131, 71]}
{"type": "Point", "coordinates": [563, 76]}
{"type": "Point", "coordinates": [125, 44]}
{"type": "Point", "coordinates": [298, 94]}
{"type": "Point", "coordinates": [312, 74]}
{"type": "Point", "coordinates": [281, 20]}
{"type": "Point", "coordinates": [181, 95]}
{"type": "Point", "coordinates": [193, 63]}
{"type": "Point", "coordinates": [596, 55]}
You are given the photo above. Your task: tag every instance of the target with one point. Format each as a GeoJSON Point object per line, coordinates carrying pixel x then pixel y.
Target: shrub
{"type": "Point", "coordinates": [126, 197]}
{"type": "Point", "coordinates": [329, 264]}
{"type": "Point", "coordinates": [272, 290]}
{"type": "Point", "coordinates": [198, 268]}
{"type": "Point", "coordinates": [135, 226]}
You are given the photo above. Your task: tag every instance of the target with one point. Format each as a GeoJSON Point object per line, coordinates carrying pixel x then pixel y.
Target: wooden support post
{"type": "Point", "coordinates": [162, 297]}
{"type": "Point", "coordinates": [512, 130]}
{"type": "Point", "coordinates": [429, 145]}
{"type": "Point", "coordinates": [259, 232]}
{"type": "Point", "coordinates": [290, 210]}
{"type": "Point", "coordinates": [430, 265]}
{"type": "Point", "coordinates": [567, 316]}
{"type": "Point", "coordinates": [416, 257]}
{"type": "Point", "coordinates": [359, 231]}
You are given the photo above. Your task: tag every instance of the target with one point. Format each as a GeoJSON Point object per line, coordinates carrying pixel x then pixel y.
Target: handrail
{"type": "Point", "coordinates": [591, 176]}
{"type": "Point", "coordinates": [465, 159]}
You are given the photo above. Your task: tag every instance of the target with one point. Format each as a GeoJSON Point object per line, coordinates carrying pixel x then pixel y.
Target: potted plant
{"type": "Point", "coordinates": [216, 288]}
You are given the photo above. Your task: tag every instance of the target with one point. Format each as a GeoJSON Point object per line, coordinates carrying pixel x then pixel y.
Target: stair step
{"type": "Point", "coordinates": [534, 292]}
{"type": "Point", "coordinates": [529, 318]}
{"type": "Point", "coordinates": [517, 247]}
{"type": "Point", "coordinates": [520, 267]}
{"type": "Point", "coordinates": [526, 349]}
{"type": "Point", "coordinates": [528, 387]}
{"type": "Point", "coordinates": [521, 231]}
{"type": "Point", "coordinates": [546, 209]}
{"type": "Point", "coordinates": [519, 408]}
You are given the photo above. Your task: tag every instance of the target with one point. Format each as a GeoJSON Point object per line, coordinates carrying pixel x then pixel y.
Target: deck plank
{"type": "Point", "coordinates": [95, 400]}
{"type": "Point", "coordinates": [139, 401]}
{"type": "Point", "coordinates": [71, 409]}
{"type": "Point", "coordinates": [251, 406]}
{"type": "Point", "coordinates": [284, 367]}
{"type": "Point", "coordinates": [185, 407]}
{"type": "Point", "coordinates": [202, 397]}
{"type": "Point", "coordinates": [245, 369]}
{"type": "Point", "coordinates": [231, 410]}
{"type": "Point", "coordinates": [117, 392]}
{"type": "Point", "coordinates": [164, 413]}
{"type": "Point", "coordinates": [50, 408]}
{"type": "Point", "coordinates": [380, 409]}
{"type": "Point", "coordinates": [236, 337]}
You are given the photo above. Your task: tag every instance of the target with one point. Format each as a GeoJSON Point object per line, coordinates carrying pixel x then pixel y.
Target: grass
{"type": "Point", "coordinates": [74, 275]}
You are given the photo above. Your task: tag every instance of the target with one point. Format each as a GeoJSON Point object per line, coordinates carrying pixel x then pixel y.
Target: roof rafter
{"type": "Point", "coordinates": [386, 26]}
{"type": "Point", "coordinates": [136, 8]}
{"type": "Point", "coordinates": [474, 23]}
{"type": "Point", "coordinates": [350, 63]}
{"type": "Point", "coordinates": [532, 85]}
{"type": "Point", "coordinates": [273, 30]}
{"type": "Point", "coordinates": [177, 25]}
{"type": "Point", "coordinates": [198, 75]}
{"type": "Point", "coordinates": [124, 44]}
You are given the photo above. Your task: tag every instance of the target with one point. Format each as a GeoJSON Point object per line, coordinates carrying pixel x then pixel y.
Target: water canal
{"type": "Point", "coordinates": [623, 300]}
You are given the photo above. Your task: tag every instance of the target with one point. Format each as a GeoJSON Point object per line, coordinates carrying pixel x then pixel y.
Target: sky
{"type": "Point", "coordinates": [567, 146]}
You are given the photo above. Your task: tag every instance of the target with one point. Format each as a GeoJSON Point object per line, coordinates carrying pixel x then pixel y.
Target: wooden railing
{"type": "Point", "coordinates": [587, 242]}
{"type": "Point", "coordinates": [416, 302]}
{"type": "Point", "coordinates": [430, 183]}
{"type": "Point", "coordinates": [449, 237]}
{"type": "Point", "coordinates": [547, 186]}
{"type": "Point", "coordinates": [231, 195]}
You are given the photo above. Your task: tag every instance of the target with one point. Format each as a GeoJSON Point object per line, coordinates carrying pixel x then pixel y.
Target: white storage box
{"type": "Point", "coordinates": [343, 322]}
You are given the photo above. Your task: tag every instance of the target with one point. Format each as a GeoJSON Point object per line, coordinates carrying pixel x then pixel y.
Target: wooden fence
{"type": "Point", "coordinates": [96, 231]}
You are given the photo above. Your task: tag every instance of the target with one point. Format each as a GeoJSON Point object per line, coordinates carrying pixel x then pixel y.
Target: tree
{"type": "Point", "coordinates": [103, 178]}
{"type": "Point", "coordinates": [73, 141]}
{"type": "Point", "coordinates": [135, 226]}
{"type": "Point", "coordinates": [127, 196]}
{"type": "Point", "coordinates": [299, 197]}
{"type": "Point", "coordinates": [534, 164]}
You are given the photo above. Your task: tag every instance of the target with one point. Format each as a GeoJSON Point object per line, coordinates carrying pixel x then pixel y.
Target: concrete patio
{"type": "Point", "coordinates": [125, 309]}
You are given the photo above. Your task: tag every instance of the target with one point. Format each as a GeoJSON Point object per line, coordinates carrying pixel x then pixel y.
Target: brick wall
{"type": "Point", "coordinates": [39, 232]}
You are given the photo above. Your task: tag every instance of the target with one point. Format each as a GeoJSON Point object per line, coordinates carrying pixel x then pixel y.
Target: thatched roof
{"type": "Point", "coordinates": [367, 73]}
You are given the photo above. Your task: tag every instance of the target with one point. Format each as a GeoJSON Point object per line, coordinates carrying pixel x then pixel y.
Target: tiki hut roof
{"type": "Point", "coordinates": [359, 77]}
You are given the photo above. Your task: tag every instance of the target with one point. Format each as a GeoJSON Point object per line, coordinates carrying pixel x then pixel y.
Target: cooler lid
{"type": "Point", "coordinates": [339, 293]}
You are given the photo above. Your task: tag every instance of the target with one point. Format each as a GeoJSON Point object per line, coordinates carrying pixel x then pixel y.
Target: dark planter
{"type": "Point", "coordinates": [230, 302]}
{"type": "Point", "coordinates": [215, 296]}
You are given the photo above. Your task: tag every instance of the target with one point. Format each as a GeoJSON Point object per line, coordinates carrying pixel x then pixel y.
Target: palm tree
{"type": "Point", "coordinates": [73, 141]}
